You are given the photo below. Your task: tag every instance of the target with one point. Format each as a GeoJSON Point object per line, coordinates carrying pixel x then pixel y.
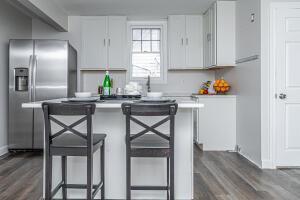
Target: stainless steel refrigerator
{"type": "Point", "coordinates": [38, 70]}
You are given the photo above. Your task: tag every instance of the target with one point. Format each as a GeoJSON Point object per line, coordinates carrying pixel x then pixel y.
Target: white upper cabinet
{"type": "Point", "coordinates": [219, 35]}
{"type": "Point", "coordinates": [185, 41]}
{"type": "Point", "coordinates": [94, 50]}
{"type": "Point", "coordinates": [117, 42]}
{"type": "Point", "coordinates": [194, 41]}
{"type": "Point", "coordinates": [176, 36]}
{"type": "Point", "coordinates": [103, 42]}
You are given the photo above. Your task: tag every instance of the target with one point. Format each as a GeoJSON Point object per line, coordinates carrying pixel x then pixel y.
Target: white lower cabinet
{"type": "Point", "coordinates": [216, 123]}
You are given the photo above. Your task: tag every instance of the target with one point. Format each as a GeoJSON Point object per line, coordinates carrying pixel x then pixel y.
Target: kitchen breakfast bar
{"type": "Point", "coordinates": [110, 120]}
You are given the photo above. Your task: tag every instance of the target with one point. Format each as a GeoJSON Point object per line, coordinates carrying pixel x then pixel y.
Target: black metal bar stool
{"type": "Point", "coordinates": [153, 145]}
{"type": "Point", "coordinates": [70, 142]}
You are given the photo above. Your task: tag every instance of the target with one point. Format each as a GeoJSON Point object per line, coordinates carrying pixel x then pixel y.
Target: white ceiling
{"type": "Point", "coordinates": [133, 7]}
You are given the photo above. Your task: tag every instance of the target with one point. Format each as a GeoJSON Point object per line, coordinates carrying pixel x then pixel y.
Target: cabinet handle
{"type": "Point", "coordinates": [108, 42]}
{"type": "Point", "coordinates": [208, 37]}
{"type": "Point", "coordinates": [182, 41]}
{"type": "Point", "coordinates": [187, 41]}
{"type": "Point", "coordinates": [104, 42]}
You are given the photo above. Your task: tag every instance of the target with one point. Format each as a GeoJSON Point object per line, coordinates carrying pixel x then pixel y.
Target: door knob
{"type": "Point", "coordinates": [282, 96]}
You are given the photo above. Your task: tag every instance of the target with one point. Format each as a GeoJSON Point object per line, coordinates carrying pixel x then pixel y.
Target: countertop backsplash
{"type": "Point", "coordinates": [178, 82]}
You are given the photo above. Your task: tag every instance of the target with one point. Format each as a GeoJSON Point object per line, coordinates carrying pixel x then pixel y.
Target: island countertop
{"type": "Point", "coordinates": [182, 103]}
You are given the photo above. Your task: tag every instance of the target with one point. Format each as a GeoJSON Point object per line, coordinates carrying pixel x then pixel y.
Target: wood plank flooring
{"type": "Point", "coordinates": [224, 175]}
{"type": "Point", "coordinates": [217, 176]}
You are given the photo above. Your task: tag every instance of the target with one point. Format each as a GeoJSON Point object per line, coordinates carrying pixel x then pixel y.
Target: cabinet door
{"type": "Point", "coordinates": [213, 32]}
{"type": "Point", "coordinates": [94, 44]}
{"type": "Point", "coordinates": [117, 42]}
{"type": "Point", "coordinates": [194, 41]}
{"type": "Point", "coordinates": [176, 41]}
{"type": "Point", "coordinates": [206, 39]}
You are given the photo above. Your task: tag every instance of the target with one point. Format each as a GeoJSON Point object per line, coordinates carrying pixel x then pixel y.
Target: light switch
{"type": "Point", "coordinates": [252, 17]}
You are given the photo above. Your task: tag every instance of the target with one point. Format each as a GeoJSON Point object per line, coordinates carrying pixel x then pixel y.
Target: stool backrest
{"type": "Point", "coordinates": [65, 109]}
{"type": "Point", "coordinates": [150, 109]}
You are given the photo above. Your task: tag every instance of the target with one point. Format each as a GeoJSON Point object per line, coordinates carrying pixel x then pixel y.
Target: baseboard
{"type": "Point", "coordinates": [249, 159]}
{"type": "Point", "coordinates": [267, 164]}
{"type": "Point", "coordinates": [3, 150]}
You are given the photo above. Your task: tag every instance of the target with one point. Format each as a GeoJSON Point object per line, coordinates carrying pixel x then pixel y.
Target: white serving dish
{"type": "Point", "coordinates": [84, 99]}
{"type": "Point", "coordinates": [155, 95]}
{"type": "Point", "coordinates": [83, 94]}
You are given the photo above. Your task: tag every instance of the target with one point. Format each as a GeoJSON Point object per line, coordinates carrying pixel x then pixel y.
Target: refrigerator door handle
{"type": "Point", "coordinates": [30, 76]}
{"type": "Point", "coordinates": [34, 78]}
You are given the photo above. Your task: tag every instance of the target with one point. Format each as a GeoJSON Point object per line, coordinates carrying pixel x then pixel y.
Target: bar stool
{"type": "Point", "coordinates": [70, 142]}
{"type": "Point", "coordinates": [150, 145]}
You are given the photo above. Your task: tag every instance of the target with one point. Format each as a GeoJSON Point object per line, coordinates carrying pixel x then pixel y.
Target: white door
{"type": "Point", "coordinates": [194, 41]}
{"type": "Point", "coordinates": [287, 61]}
{"type": "Point", "coordinates": [94, 42]}
{"type": "Point", "coordinates": [117, 42]}
{"type": "Point", "coordinates": [176, 30]}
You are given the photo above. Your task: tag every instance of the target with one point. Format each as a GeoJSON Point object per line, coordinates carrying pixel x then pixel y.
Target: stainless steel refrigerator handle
{"type": "Point", "coordinates": [30, 77]}
{"type": "Point", "coordinates": [34, 77]}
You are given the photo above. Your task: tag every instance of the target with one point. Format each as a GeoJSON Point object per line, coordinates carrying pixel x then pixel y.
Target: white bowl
{"type": "Point", "coordinates": [83, 94]}
{"type": "Point", "coordinates": [154, 95]}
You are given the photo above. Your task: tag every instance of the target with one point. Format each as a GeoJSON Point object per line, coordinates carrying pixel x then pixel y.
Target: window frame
{"type": "Point", "coordinates": [162, 25]}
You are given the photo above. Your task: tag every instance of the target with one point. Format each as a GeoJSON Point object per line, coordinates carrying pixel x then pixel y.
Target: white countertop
{"type": "Point", "coordinates": [114, 103]}
{"type": "Point", "coordinates": [213, 96]}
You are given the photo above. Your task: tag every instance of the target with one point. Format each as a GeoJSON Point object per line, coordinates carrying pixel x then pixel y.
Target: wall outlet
{"type": "Point", "coordinates": [237, 148]}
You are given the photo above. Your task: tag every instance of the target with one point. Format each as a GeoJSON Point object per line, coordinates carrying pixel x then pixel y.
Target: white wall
{"type": "Point", "coordinates": [13, 25]}
{"type": "Point", "coordinates": [178, 82]}
{"type": "Point", "coordinates": [246, 82]}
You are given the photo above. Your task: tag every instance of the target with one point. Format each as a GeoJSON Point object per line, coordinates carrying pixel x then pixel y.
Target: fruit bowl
{"type": "Point", "coordinates": [221, 86]}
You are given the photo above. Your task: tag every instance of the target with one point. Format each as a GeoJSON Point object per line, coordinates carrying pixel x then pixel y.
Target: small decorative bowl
{"type": "Point", "coordinates": [83, 94]}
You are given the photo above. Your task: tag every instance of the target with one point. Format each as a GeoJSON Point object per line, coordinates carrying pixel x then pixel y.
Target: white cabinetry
{"type": "Point", "coordinates": [216, 123]}
{"type": "Point", "coordinates": [185, 41]}
{"type": "Point", "coordinates": [103, 42]}
{"type": "Point", "coordinates": [219, 35]}
{"type": "Point", "coordinates": [94, 50]}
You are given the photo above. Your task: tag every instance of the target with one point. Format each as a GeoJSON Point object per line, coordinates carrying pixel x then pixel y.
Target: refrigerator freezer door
{"type": "Point", "coordinates": [50, 79]}
{"type": "Point", "coordinates": [20, 120]}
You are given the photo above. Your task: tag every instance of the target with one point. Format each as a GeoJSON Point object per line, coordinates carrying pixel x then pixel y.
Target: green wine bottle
{"type": "Point", "coordinates": [106, 84]}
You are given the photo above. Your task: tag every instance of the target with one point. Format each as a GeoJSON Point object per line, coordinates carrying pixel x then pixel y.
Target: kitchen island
{"type": "Point", "coordinates": [109, 119]}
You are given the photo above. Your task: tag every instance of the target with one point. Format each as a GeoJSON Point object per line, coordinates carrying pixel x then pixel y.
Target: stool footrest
{"type": "Point", "coordinates": [80, 186]}
{"type": "Point", "coordinates": [57, 188]}
{"type": "Point", "coordinates": [149, 187]}
{"type": "Point", "coordinates": [96, 188]}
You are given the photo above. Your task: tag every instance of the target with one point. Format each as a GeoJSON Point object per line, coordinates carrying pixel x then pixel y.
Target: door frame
{"type": "Point", "coordinates": [272, 79]}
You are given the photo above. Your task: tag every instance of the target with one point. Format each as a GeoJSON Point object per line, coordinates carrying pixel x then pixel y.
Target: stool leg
{"type": "Point", "coordinates": [102, 164]}
{"type": "Point", "coordinates": [128, 176]}
{"type": "Point", "coordinates": [64, 176]}
{"type": "Point", "coordinates": [89, 191]}
{"type": "Point", "coordinates": [48, 176]}
{"type": "Point", "coordinates": [172, 196]}
{"type": "Point", "coordinates": [168, 177]}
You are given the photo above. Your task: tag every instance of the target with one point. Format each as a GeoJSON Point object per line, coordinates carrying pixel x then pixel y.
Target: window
{"type": "Point", "coordinates": [147, 51]}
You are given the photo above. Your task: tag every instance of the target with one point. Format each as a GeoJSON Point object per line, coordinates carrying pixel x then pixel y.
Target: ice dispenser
{"type": "Point", "coordinates": [21, 79]}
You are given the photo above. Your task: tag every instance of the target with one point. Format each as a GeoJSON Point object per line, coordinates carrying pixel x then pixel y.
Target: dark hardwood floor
{"type": "Point", "coordinates": [217, 175]}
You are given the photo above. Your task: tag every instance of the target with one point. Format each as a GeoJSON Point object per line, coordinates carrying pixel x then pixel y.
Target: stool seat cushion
{"type": "Point", "coordinates": [71, 140]}
{"type": "Point", "coordinates": [150, 141]}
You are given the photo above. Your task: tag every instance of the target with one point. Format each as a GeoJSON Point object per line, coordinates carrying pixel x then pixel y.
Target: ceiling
{"type": "Point", "coordinates": [133, 7]}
